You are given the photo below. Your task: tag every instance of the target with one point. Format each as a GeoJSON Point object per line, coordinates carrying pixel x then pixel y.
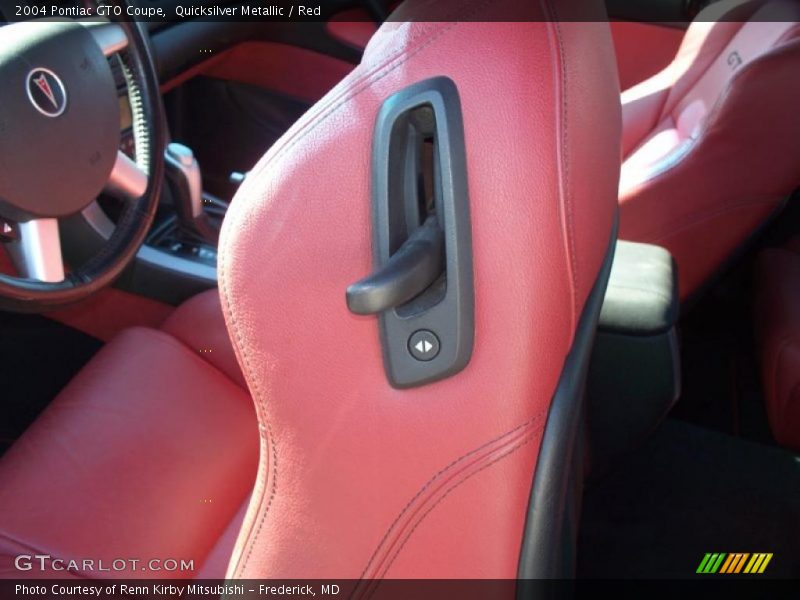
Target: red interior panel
{"type": "Point", "coordinates": [297, 72]}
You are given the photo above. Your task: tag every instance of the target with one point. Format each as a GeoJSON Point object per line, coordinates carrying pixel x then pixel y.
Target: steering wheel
{"type": "Point", "coordinates": [59, 149]}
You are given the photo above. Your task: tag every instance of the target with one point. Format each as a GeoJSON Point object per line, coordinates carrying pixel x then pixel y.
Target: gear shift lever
{"type": "Point", "coordinates": [186, 184]}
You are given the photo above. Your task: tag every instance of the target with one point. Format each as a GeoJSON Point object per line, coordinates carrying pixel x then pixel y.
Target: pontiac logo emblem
{"type": "Point", "coordinates": [46, 92]}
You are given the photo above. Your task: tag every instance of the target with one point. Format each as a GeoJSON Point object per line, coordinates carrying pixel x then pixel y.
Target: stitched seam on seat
{"type": "Point", "coordinates": [526, 440]}
{"type": "Point", "coordinates": [321, 112]}
{"type": "Point", "coordinates": [436, 477]}
{"type": "Point", "coordinates": [362, 83]}
{"type": "Point", "coordinates": [207, 361]}
{"type": "Point", "coordinates": [564, 189]}
{"type": "Point", "coordinates": [14, 540]}
{"type": "Point", "coordinates": [270, 467]}
{"type": "Point", "coordinates": [705, 217]}
{"type": "Point", "coordinates": [271, 464]}
{"type": "Point", "coordinates": [171, 341]}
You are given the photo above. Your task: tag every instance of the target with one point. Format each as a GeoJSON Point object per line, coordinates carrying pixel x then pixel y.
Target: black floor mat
{"type": "Point", "coordinates": [721, 386]}
{"type": "Point", "coordinates": [38, 357]}
{"type": "Point", "coordinates": [687, 492]}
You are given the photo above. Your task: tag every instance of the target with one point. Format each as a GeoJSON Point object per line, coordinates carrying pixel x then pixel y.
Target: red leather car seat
{"type": "Point", "coordinates": [711, 145]}
{"type": "Point", "coordinates": [150, 451]}
{"type": "Point", "coordinates": [361, 480]}
{"type": "Point", "coordinates": [777, 317]}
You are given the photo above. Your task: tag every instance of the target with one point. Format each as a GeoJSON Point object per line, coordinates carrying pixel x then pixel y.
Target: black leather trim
{"type": "Point", "coordinates": [548, 544]}
{"type": "Point", "coordinates": [642, 294]}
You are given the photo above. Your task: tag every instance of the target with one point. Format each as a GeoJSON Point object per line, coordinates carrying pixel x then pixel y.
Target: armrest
{"type": "Point", "coordinates": [634, 375]}
{"type": "Point", "coordinates": [642, 294]}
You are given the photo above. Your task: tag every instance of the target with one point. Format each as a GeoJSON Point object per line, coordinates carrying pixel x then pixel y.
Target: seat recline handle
{"type": "Point", "coordinates": [409, 272]}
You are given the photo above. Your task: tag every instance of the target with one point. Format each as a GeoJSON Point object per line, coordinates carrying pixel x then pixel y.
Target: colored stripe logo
{"type": "Point", "coordinates": [734, 563]}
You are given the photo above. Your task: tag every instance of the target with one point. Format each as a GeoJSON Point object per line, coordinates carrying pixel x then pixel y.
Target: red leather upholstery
{"type": "Point", "coordinates": [148, 453]}
{"type": "Point", "coordinates": [777, 315]}
{"type": "Point", "coordinates": [643, 49]}
{"type": "Point", "coordinates": [711, 144]}
{"type": "Point", "coordinates": [111, 311]}
{"type": "Point", "coordinates": [199, 324]}
{"type": "Point", "coordinates": [360, 479]}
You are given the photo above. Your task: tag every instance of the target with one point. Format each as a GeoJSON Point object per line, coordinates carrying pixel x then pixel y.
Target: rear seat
{"type": "Point", "coordinates": [777, 320]}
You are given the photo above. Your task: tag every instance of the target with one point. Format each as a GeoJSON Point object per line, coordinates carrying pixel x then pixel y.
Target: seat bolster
{"type": "Point", "coordinates": [646, 104]}
{"type": "Point", "coordinates": [777, 320]}
{"type": "Point", "coordinates": [147, 454]}
{"type": "Point", "coordinates": [200, 324]}
{"type": "Point", "coordinates": [216, 563]}
{"type": "Point", "coordinates": [641, 110]}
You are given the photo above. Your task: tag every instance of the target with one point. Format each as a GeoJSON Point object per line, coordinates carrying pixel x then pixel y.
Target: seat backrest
{"type": "Point", "coordinates": [711, 145]}
{"type": "Point", "coordinates": [729, 38]}
{"type": "Point", "coordinates": [360, 479]}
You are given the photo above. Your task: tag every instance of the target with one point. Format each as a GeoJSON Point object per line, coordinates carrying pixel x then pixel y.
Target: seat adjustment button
{"type": "Point", "coordinates": [423, 345]}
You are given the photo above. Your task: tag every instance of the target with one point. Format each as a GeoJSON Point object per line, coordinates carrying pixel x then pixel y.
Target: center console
{"type": "Point", "coordinates": [634, 374]}
{"type": "Point", "coordinates": [178, 259]}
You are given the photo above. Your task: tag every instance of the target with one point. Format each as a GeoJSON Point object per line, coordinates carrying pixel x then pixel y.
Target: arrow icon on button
{"type": "Point", "coordinates": [424, 346]}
